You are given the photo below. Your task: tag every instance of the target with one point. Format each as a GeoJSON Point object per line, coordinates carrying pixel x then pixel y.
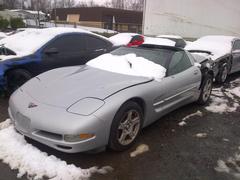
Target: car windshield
{"type": "Point", "coordinates": [158, 56]}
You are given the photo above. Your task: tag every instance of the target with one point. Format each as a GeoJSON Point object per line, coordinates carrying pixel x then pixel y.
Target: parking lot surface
{"type": "Point", "coordinates": [175, 152]}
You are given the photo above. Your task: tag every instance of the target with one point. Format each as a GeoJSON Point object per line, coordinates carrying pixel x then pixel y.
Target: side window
{"type": "Point", "coordinates": [236, 45]}
{"type": "Point", "coordinates": [94, 43]}
{"type": "Point", "coordinates": [68, 43]}
{"type": "Point", "coordinates": [179, 62]}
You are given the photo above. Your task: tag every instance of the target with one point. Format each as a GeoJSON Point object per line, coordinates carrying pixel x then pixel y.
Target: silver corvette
{"type": "Point", "coordinates": [82, 108]}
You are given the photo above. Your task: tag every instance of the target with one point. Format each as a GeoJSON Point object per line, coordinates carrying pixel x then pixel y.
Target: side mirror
{"type": "Point", "coordinates": [51, 51]}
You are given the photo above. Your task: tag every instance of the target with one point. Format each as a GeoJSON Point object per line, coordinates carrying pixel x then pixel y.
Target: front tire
{"type": "Point", "coordinates": [126, 126]}
{"type": "Point", "coordinates": [223, 73]}
{"type": "Point", "coordinates": [16, 78]}
{"type": "Point", "coordinates": [206, 89]}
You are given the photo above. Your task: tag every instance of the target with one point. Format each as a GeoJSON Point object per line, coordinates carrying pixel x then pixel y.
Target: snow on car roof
{"type": "Point", "coordinates": [170, 36]}
{"type": "Point", "coordinates": [30, 40]}
{"type": "Point", "coordinates": [129, 64]}
{"type": "Point", "coordinates": [2, 35]}
{"type": "Point", "coordinates": [159, 41]}
{"type": "Point", "coordinates": [122, 38]}
{"type": "Point", "coordinates": [217, 45]}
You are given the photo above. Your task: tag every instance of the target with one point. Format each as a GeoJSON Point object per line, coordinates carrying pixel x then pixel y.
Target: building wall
{"type": "Point", "coordinates": [100, 17]}
{"type": "Point", "coordinates": [192, 18]}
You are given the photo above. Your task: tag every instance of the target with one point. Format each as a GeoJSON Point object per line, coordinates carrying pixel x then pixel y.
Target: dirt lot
{"type": "Point", "coordinates": [175, 151]}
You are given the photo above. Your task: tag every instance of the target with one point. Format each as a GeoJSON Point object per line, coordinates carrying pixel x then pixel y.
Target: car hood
{"type": "Point", "coordinates": [64, 86]}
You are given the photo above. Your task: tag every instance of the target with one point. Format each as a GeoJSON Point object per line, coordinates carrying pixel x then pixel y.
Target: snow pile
{"type": "Point", "coordinates": [129, 64]}
{"type": "Point", "coordinates": [183, 122]}
{"type": "Point", "coordinates": [140, 150]}
{"type": "Point", "coordinates": [30, 161]}
{"type": "Point", "coordinates": [122, 38]}
{"type": "Point", "coordinates": [29, 41]}
{"type": "Point", "coordinates": [220, 99]}
{"type": "Point", "coordinates": [159, 41]}
{"type": "Point", "coordinates": [230, 166]}
{"type": "Point", "coordinates": [217, 45]}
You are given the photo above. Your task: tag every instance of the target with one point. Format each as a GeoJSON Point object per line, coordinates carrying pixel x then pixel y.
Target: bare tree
{"type": "Point", "coordinates": [69, 3]}
{"type": "Point", "coordinates": [136, 5]}
{"type": "Point", "coordinates": [10, 4]}
{"type": "Point", "coordinates": [119, 4]}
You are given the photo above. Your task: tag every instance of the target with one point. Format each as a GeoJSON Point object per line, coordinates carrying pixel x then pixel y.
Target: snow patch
{"type": "Point", "coordinates": [159, 41]}
{"type": "Point", "coordinates": [5, 124]}
{"type": "Point", "coordinates": [30, 161]}
{"type": "Point", "coordinates": [220, 99]}
{"type": "Point", "coordinates": [129, 64]}
{"type": "Point", "coordinates": [183, 122]}
{"type": "Point", "coordinates": [122, 38]}
{"type": "Point", "coordinates": [230, 166]}
{"type": "Point", "coordinates": [201, 135]}
{"type": "Point", "coordinates": [140, 150]}
{"type": "Point", "coordinates": [170, 36]}
{"type": "Point", "coordinates": [217, 45]}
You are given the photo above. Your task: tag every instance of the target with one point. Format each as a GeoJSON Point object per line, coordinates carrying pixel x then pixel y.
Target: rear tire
{"type": "Point", "coordinates": [206, 89]}
{"type": "Point", "coordinates": [223, 73]}
{"type": "Point", "coordinates": [126, 126]}
{"type": "Point", "coordinates": [16, 78]}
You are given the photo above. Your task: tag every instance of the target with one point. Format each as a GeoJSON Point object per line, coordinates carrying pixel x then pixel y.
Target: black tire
{"type": "Point", "coordinates": [16, 78]}
{"type": "Point", "coordinates": [114, 142]}
{"type": "Point", "coordinates": [223, 73]}
{"type": "Point", "coordinates": [206, 89]}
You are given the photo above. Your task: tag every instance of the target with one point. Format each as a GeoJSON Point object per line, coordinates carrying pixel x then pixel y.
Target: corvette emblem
{"type": "Point", "coordinates": [32, 105]}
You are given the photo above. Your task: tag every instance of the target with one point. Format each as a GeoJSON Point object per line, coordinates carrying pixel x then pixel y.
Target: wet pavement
{"type": "Point", "coordinates": [175, 152]}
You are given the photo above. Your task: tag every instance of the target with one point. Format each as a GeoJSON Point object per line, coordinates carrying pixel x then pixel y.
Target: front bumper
{"type": "Point", "coordinates": [47, 125]}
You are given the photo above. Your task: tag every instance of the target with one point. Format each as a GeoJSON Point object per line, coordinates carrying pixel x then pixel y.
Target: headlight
{"type": "Point", "coordinates": [77, 138]}
{"type": "Point", "coordinates": [86, 106]}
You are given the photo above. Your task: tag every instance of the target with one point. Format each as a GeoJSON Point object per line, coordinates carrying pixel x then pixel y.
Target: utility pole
{"type": "Point", "coordinates": [38, 18]}
{"type": "Point", "coordinates": [55, 12]}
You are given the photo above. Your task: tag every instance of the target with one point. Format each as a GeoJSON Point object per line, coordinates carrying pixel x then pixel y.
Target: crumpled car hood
{"type": "Point", "coordinates": [64, 86]}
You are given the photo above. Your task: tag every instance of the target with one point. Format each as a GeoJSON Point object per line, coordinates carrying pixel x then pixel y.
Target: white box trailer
{"type": "Point", "coordinates": [192, 18]}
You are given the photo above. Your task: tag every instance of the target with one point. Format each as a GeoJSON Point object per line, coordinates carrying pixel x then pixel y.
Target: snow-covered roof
{"type": "Point", "coordinates": [170, 36]}
{"type": "Point", "coordinates": [129, 64]}
{"type": "Point", "coordinates": [122, 38]}
{"type": "Point", "coordinates": [30, 40]}
{"type": "Point", "coordinates": [159, 41]}
{"type": "Point", "coordinates": [217, 45]}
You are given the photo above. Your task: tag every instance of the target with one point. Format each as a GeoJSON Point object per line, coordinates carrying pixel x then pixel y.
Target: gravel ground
{"type": "Point", "coordinates": [175, 152]}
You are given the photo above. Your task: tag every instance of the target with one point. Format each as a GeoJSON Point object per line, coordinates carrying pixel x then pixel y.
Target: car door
{"type": "Point", "coordinates": [96, 46]}
{"type": "Point", "coordinates": [65, 50]}
{"type": "Point", "coordinates": [181, 85]}
{"type": "Point", "coordinates": [236, 56]}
